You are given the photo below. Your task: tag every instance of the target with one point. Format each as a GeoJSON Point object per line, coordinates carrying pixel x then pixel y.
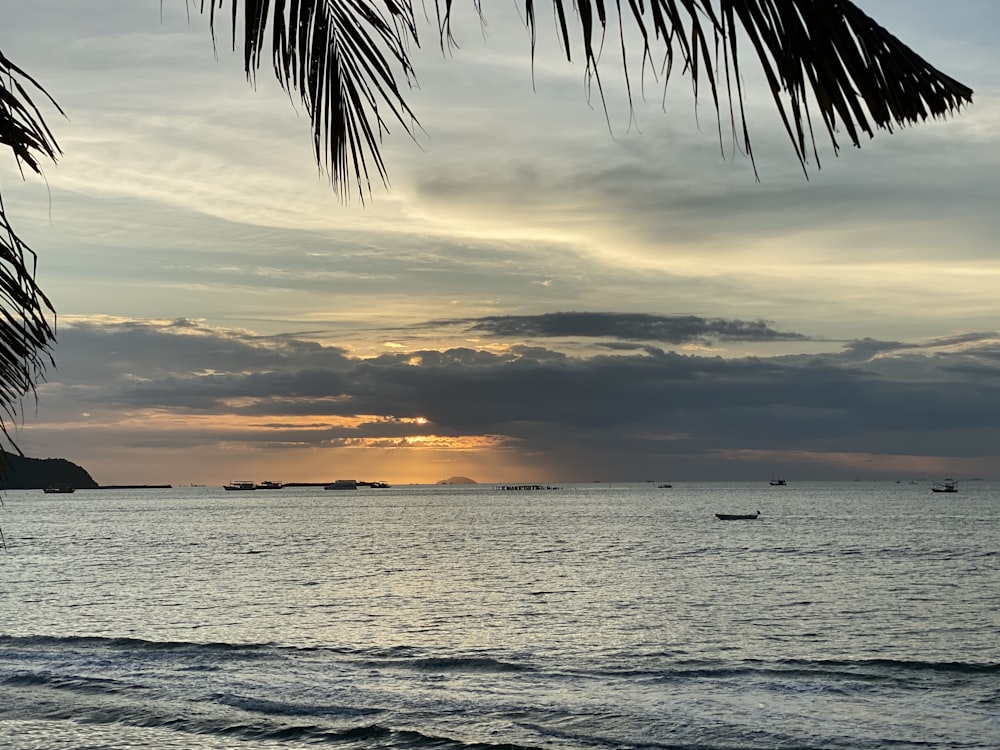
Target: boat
{"type": "Point", "coordinates": [267, 485]}
{"type": "Point", "coordinates": [241, 485]}
{"type": "Point", "coordinates": [59, 489]}
{"type": "Point", "coordinates": [779, 483]}
{"type": "Point", "coordinates": [664, 486]}
{"type": "Point", "coordinates": [379, 485]}
{"type": "Point", "coordinates": [343, 484]}
{"type": "Point", "coordinates": [948, 485]}
{"type": "Point", "coordinates": [737, 516]}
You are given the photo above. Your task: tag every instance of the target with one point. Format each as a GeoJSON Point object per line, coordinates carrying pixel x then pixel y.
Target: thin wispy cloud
{"type": "Point", "coordinates": [672, 329]}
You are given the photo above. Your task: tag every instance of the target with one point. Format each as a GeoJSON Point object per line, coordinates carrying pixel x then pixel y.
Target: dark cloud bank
{"type": "Point", "coordinates": [651, 413]}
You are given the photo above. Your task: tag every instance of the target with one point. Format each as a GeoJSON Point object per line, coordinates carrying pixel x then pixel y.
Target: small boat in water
{"type": "Point", "coordinates": [343, 484]}
{"type": "Point", "coordinates": [737, 516]}
{"type": "Point", "coordinates": [779, 483]}
{"type": "Point", "coordinates": [59, 489]}
{"type": "Point", "coordinates": [267, 485]}
{"type": "Point", "coordinates": [241, 485]}
{"type": "Point", "coordinates": [948, 485]}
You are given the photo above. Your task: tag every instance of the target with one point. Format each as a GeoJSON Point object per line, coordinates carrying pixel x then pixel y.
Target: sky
{"type": "Point", "coordinates": [546, 290]}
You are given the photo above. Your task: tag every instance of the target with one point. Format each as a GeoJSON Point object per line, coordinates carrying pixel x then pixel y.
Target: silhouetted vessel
{"type": "Point", "coordinates": [343, 484]}
{"type": "Point", "coordinates": [778, 483]}
{"type": "Point", "coordinates": [737, 516]}
{"type": "Point", "coordinates": [948, 485]}
{"type": "Point", "coordinates": [59, 489]}
{"type": "Point", "coordinates": [241, 485]}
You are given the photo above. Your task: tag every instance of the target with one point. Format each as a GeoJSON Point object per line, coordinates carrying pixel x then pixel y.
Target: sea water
{"type": "Point", "coordinates": [850, 615]}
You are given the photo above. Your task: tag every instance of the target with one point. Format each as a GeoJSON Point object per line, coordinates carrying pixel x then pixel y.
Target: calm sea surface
{"type": "Point", "coordinates": [853, 615]}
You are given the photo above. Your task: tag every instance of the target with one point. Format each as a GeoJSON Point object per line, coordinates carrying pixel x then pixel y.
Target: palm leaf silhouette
{"type": "Point", "coordinates": [822, 59]}
{"type": "Point", "coordinates": [26, 336]}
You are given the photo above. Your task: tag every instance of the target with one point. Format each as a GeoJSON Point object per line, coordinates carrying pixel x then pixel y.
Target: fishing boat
{"type": "Point", "coordinates": [948, 485]}
{"type": "Point", "coordinates": [737, 516]}
{"type": "Point", "coordinates": [779, 483]}
{"type": "Point", "coordinates": [343, 484]}
{"type": "Point", "coordinates": [241, 485]}
{"type": "Point", "coordinates": [59, 489]}
{"type": "Point", "coordinates": [268, 485]}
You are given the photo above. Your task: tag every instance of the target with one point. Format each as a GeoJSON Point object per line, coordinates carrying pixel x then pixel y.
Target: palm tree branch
{"type": "Point", "coordinates": [817, 56]}
{"type": "Point", "coordinates": [26, 335]}
{"type": "Point", "coordinates": [22, 128]}
{"type": "Point", "coordinates": [343, 59]}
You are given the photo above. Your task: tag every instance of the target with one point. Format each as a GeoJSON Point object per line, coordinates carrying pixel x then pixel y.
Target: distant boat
{"type": "Point", "coordinates": [664, 486]}
{"type": "Point", "coordinates": [241, 485]}
{"type": "Point", "coordinates": [778, 483]}
{"type": "Point", "coordinates": [379, 485]}
{"type": "Point", "coordinates": [737, 516]}
{"type": "Point", "coordinates": [59, 489]}
{"type": "Point", "coordinates": [270, 485]}
{"type": "Point", "coordinates": [343, 484]}
{"type": "Point", "coordinates": [948, 485]}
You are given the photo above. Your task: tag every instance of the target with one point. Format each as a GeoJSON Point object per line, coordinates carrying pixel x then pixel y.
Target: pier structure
{"type": "Point", "coordinates": [525, 487]}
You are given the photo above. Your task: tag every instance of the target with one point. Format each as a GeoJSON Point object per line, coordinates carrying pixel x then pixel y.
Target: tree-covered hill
{"type": "Point", "coordinates": [20, 473]}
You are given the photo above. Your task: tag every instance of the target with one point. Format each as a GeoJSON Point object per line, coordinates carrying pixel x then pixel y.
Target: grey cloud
{"type": "Point", "coordinates": [867, 348]}
{"type": "Point", "coordinates": [672, 188]}
{"type": "Point", "coordinates": [669, 329]}
{"type": "Point", "coordinates": [624, 404]}
{"type": "Point", "coordinates": [92, 352]}
{"type": "Point", "coordinates": [966, 338]}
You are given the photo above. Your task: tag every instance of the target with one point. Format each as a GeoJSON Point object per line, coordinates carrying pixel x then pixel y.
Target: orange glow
{"type": "Point", "coordinates": [462, 443]}
{"type": "Point", "coordinates": [305, 448]}
{"type": "Point", "coordinates": [264, 422]}
{"type": "Point", "coordinates": [234, 429]}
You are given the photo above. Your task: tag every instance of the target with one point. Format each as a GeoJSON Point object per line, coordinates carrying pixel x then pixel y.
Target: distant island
{"type": "Point", "coordinates": [458, 480]}
{"type": "Point", "coordinates": [20, 473]}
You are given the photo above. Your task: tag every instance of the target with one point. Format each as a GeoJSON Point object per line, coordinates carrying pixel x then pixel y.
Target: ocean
{"type": "Point", "coordinates": [847, 616]}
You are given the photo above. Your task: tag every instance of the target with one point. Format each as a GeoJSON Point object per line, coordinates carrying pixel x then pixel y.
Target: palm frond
{"type": "Point", "coordinates": [26, 336]}
{"type": "Point", "coordinates": [831, 55]}
{"type": "Point", "coordinates": [341, 57]}
{"type": "Point", "coordinates": [818, 56]}
{"type": "Point", "coordinates": [823, 60]}
{"type": "Point", "coordinates": [22, 127]}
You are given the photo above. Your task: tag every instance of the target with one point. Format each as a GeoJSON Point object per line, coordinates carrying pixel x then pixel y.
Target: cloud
{"type": "Point", "coordinates": [667, 329]}
{"type": "Point", "coordinates": [170, 382]}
